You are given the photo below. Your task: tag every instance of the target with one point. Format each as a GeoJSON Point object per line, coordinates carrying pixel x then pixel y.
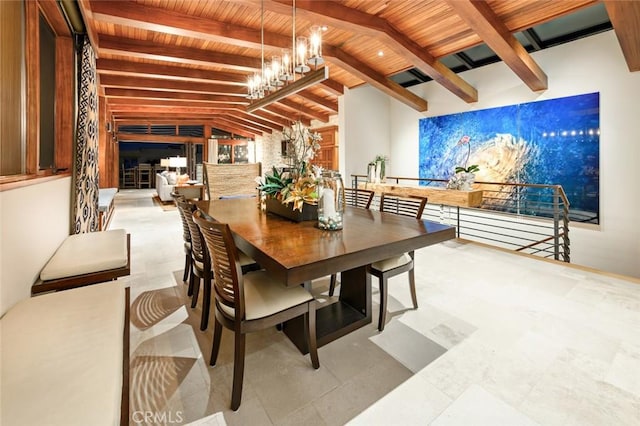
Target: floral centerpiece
{"type": "Point", "coordinates": [295, 184]}
{"type": "Point", "coordinates": [464, 176]}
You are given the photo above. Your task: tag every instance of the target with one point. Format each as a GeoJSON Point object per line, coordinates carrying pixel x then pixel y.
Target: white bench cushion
{"type": "Point", "coordinates": [85, 253]}
{"type": "Point", "coordinates": [62, 358]}
{"type": "Point", "coordinates": [105, 197]}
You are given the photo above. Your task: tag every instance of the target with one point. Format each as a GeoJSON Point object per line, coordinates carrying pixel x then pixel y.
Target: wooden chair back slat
{"type": "Point", "coordinates": [228, 288]}
{"type": "Point", "coordinates": [358, 197]}
{"type": "Point", "coordinates": [186, 233]}
{"type": "Point", "coordinates": [405, 206]}
{"type": "Point", "coordinates": [197, 245]}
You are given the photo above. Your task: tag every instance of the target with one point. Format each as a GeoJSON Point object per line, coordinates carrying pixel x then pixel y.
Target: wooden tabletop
{"type": "Point", "coordinates": [298, 252]}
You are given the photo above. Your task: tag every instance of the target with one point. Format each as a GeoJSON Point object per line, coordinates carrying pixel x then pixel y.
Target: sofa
{"type": "Point", "coordinates": [165, 181]}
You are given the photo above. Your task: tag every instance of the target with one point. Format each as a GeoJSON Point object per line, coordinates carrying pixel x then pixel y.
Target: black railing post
{"type": "Point", "coordinates": [556, 223]}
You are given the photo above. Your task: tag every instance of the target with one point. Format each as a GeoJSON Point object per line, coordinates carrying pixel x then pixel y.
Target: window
{"type": "Point", "coordinates": [47, 95]}
{"type": "Point", "coordinates": [36, 122]}
{"type": "Point", "coordinates": [11, 87]}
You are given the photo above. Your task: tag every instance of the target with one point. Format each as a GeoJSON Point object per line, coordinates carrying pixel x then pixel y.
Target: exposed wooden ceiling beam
{"type": "Point", "coordinates": [249, 124]}
{"type": "Point", "coordinates": [326, 103]}
{"type": "Point", "coordinates": [170, 85]}
{"type": "Point", "coordinates": [157, 19]}
{"type": "Point", "coordinates": [287, 115]}
{"type": "Point", "coordinates": [332, 87]}
{"type": "Point", "coordinates": [298, 108]}
{"type": "Point", "coordinates": [275, 119]}
{"type": "Point", "coordinates": [184, 110]}
{"type": "Point", "coordinates": [173, 72]}
{"type": "Point", "coordinates": [232, 123]}
{"type": "Point", "coordinates": [254, 119]}
{"type": "Point", "coordinates": [152, 121]}
{"type": "Point", "coordinates": [151, 50]}
{"type": "Point", "coordinates": [114, 93]}
{"type": "Point", "coordinates": [234, 130]}
{"type": "Point", "coordinates": [484, 22]}
{"type": "Point", "coordinates": [136, 137]}
{"type": "Point", "coordinates": [625, 18]}
{"type": "Point", "coordinates": [176, 23]}
{"type": "Point", "coordinates": [378, 80]}
{"type": "Point", "coordinates": [123, 103]}
{"type": "Point", "coordinates": [345, 17]}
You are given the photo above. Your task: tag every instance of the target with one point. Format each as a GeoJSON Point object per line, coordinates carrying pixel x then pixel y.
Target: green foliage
{"type": "Point", "coordinates": [471, 169]}
{"type": "Point", "coordinates": [275, 183]}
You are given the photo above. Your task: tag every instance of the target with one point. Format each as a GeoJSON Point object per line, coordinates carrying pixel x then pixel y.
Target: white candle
{"type": "Point", "coordinates": [328, 203]}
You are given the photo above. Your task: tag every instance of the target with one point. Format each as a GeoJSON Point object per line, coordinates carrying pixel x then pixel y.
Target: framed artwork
{"type": "Point", "coordinates": [228, 151]}
{"type": "Point", "coordinates": [551, 142]}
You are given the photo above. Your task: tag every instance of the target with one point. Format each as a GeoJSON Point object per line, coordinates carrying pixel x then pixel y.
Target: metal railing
{"type": "Point", "coordinates": [528, 218]}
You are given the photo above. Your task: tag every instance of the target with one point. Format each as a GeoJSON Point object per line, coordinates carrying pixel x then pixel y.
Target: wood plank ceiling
{"type": "Point", "coordinates": [168, 61]}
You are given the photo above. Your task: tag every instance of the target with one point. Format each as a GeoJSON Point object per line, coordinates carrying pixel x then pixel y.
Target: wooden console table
{"type": "Point", "coordinates": [442, 196]}
{"type": "Point", "coordinates": [190, 191]}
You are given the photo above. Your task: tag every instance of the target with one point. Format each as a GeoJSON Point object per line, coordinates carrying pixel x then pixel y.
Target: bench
{"type": "Point", "coordinates": [105, 207]}
{"type": "Point", "coordinates": [65, 358]}
{"type": "Point", "coordinates": [84, 259]}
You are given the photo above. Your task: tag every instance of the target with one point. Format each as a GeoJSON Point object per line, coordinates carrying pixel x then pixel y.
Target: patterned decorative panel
{"type": "Point", "coordinates": [86, 151]}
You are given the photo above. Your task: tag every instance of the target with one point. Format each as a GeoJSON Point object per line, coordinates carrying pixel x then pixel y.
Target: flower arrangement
{"type": "Point", "coordinates": [466, 140]}
{"type": "Point", "coordinates": [464, 176]}
{"type": "Point", "coordinates": [297, 183]}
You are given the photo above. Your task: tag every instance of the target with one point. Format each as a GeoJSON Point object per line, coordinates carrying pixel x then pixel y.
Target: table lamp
{"type": "Point", "coordinates": [178, 162]}
{"type": "Point", "coordinates": [164, 162]}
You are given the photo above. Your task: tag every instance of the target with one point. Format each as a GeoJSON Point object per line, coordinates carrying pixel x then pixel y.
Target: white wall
{"type": "Point", "coordinates": [33, 222]}
{"type": "Point", "coordinates": [593, 64]}
{"type": "Point", "coordinates": [366, 131]}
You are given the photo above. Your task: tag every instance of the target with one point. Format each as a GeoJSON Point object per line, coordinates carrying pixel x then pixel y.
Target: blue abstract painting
{"type": "Point", "coordinates": [551, 142]}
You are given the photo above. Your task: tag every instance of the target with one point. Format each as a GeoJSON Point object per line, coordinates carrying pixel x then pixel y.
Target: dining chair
{"type": "Point", "coordinates": [356, 198]}
{"type": "Point", "coordinates": [144, 175]}
{"type": "Point", "coordinates": [387, 268]}
{"type": "Point", "coordinates": [186, 238]}
{"type": "Point", "coordinates": [200, 262]}
{"type": "Point", "coordinates": [201, 271]}
{"type": "Point", "coordinates": [251, 302]}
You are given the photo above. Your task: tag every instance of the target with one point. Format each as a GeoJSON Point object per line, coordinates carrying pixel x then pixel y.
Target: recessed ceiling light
{"type": "Point", "coordinates": [380, 53]}
{"type": "Point", "coordinates": [324, 28]}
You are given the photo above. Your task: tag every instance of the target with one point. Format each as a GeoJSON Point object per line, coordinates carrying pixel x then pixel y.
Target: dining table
{"type": "Point", "coordinates": [296, 253]}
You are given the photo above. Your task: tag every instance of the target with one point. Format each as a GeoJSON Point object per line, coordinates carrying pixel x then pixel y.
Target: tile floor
{"type": "Point", "coordinates": [506, 340]}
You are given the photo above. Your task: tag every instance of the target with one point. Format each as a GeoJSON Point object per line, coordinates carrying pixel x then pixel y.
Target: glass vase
{"type": "Point", "coordinates": [330, 201]}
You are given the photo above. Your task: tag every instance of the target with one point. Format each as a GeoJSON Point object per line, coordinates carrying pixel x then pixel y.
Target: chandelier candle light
{"type": "Point", "coordinates": [277, 79]}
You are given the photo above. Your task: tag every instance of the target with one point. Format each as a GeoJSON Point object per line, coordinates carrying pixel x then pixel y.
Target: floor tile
{"type": "Point", "coordinates": [505, 339]}
{"type": "Point", "coordinates": [476, 406]}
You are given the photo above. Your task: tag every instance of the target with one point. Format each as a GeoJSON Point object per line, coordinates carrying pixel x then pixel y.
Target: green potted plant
{"type": "Point", "coordinates": [295, 187]}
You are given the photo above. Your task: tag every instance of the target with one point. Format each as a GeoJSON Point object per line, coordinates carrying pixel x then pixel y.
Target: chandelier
{"type": "Point", "coordinates": [284, 74]}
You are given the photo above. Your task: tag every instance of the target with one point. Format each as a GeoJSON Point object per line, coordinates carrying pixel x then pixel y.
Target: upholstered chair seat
{"type": "Point", "coordinates": [392, 263]}
{"type": "Point", "coordinates": [264, 296]}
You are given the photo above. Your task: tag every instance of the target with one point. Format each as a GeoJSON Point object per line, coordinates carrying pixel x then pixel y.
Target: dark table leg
{"type": "Point", "coordinates": [350, 312]}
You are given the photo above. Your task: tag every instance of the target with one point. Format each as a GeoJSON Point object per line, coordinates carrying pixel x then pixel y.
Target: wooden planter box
{"type": "Point", "coordinates": [309, 211]}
